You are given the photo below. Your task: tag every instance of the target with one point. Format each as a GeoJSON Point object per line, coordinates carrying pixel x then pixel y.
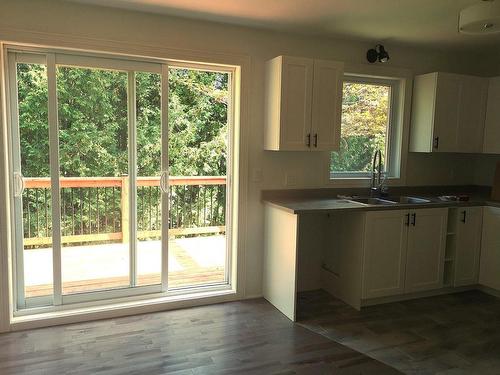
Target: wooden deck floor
{"type": "Point", "coordinates": [196, 261]}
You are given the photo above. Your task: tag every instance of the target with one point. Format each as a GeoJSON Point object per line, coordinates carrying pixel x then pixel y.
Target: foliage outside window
{"type": "Point", "coordinates": [366, 127]}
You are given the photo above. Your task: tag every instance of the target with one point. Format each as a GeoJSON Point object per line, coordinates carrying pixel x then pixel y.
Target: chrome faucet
{"type": "Point", "coordinates": [377, 181]}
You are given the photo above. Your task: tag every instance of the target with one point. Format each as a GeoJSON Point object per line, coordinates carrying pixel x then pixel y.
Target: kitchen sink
{"type": "Point", "coordinates": [408, 200]}
{"type": "Point", "coordinates": [390, 200]}
{"type": "Point", "coordinates": [374, 201]}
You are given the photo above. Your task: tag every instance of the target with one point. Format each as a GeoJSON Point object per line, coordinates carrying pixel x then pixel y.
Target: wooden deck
{"type": "Point", "coordinates": [192, 261]}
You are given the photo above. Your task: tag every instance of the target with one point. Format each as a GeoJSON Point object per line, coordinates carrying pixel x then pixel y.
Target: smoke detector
{"type": "Point", "coordinates": [481, 18]}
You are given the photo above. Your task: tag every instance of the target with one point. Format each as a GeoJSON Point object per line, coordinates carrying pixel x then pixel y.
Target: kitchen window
{"type": "Point", "coordinates": [370, 122]}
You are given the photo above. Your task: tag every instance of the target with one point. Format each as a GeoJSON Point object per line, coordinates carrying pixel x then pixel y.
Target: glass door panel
{"type": "Point", "coordinates": [93, 162]}
{"type": "Point", "coordinates": [198, 154]}
{"type": "Point", "coordinates": [33, 173]}
{"type": "Point", "coordinates": [149, 150]}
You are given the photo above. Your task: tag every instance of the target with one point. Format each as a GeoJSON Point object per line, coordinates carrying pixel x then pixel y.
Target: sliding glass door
{"type": "Point", "coordinates": [138, 155]}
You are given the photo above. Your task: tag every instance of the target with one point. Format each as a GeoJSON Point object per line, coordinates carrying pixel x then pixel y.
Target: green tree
{"type": "Point", "coordinates": [364, 126]}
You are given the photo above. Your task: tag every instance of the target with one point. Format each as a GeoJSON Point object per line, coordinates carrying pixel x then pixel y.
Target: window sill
{"type": "Point", "coordinates": [361, 181]}
{"type": "Point", "coordinates": [57, 315]}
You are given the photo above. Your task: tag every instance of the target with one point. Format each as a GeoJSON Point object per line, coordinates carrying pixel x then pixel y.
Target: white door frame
{"type": "Point", "coordinates": [51, 58]}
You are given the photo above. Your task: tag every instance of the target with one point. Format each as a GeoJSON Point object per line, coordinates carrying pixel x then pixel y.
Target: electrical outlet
{"type": "Point", "coordinates": [290, 179]}
{"type": "Point", "coordinates": [257, 175]}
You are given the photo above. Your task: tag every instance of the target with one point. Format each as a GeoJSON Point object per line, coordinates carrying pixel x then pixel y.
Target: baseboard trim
{"type": "Point", "coordinates": [488, 290]}
{"type": "Point", "coordinates": [409, 296]}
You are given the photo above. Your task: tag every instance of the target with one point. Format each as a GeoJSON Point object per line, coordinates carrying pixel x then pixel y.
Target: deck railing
{"type": "Point", "coordinates": [96, 209]}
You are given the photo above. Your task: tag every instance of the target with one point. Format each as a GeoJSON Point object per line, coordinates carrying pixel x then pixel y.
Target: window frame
{"type": "Point", "coordinates": [400, 81]}
{"type": "Point", "coordinates": [62, 57]}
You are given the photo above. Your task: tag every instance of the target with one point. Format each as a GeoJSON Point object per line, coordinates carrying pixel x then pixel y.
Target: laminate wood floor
{"type": "Point", "coordinates": [450, 334]}
{"type": "Point", "coordinates": [249, 337]}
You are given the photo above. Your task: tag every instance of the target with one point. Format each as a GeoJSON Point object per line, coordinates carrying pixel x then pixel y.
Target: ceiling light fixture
{"type": "Point", "coordinates": [377, 54]}
{"type": "Point", "coordinates": [481, 18]}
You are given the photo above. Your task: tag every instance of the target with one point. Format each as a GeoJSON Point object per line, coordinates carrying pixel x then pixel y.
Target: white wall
{"type": "Point", "coordinates": [41, 21]}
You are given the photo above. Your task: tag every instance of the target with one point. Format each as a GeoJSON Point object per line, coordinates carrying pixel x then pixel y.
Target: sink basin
{"type": "Point", "coordinates": [374, 201]}
{"type": "Point", "coordinates": [408, 200]}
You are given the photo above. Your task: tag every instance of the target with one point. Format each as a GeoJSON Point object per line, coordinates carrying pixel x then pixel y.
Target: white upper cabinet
{"type": "Point", "coordinates": [448, 113]}
{"type": "Point", "coordinates": [303, 104]}
{"type": "Point", "coordinates": [492, 123]}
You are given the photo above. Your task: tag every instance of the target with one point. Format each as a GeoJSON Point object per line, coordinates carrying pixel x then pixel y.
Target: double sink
{"type": "Point", "coordinates": [404, 199]}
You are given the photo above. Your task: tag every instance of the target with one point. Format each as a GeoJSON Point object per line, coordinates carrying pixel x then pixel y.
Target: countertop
{"type": "Point", "coordinates": [304, 204]}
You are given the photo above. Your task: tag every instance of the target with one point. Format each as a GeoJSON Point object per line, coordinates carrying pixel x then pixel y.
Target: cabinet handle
{"type": "Point", "coordinates": [436, 142]}
{"type": "Point", "coordinates": [308, 140]}
{"type": "Point", "coordinates": [316, 140]}
{"type": "Point", "coordinates": [464, 214]}
{"type": "Point", "coordinates": [414, 219]}
{"type": "Point", "coordinates": [407, 220]}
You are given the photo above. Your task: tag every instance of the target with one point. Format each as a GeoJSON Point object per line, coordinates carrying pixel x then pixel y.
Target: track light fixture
{"type": "Point", "coordinates": [377, 54]}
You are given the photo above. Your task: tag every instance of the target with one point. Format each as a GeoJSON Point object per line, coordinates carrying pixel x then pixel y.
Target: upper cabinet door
{"type": "Point", "coordinates": [425, 252]}
{"type": "Point", "coordinates": [296, 97]}
{"type": "Point", "coordinates": [288, 103]}
{"type": "Point", "coordinates": [327, 105]}
{"type": "Point", "coordinates": [472, 112]}
{"type": "Point", "coordinates": [492, 123]}
{"type": "Point", "coordinates": [468, 245]}
{"type": "Point", "coordinates": [446, 114]}
{"type": "Point", "coordinates": [303, 103]}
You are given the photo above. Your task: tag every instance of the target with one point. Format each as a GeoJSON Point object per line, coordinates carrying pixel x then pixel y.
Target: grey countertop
{"type": "Point", "coordinates": [308, 204]}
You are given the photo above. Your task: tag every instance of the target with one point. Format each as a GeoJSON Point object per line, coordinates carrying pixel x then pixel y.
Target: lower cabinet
{"type": "Point", "coordinates": [384, 259]}
{"type": "Point", "coordinates": [403, 251]}
{"type": "Point", "coordinates": [425, 250]}
{"type": "Point", "coordinates": [467, 229]}
{"type": "Point", "coordinates": [489, 273]}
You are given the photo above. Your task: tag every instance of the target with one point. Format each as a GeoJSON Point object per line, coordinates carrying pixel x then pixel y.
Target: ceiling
{"type": "Point", "coordinates": [417, 22]}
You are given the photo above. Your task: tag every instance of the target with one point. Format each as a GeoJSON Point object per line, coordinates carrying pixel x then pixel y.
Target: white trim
{"type": "Point", "coordinates": [66, 59]}
{"type": "Point", "coordinates": [132, 174]}
{"type": "Point", "coordinates": [17, 202]}
{"type": "Point", "coordinates": [119, 308]}
{"type": "Point", "coordinates": [165, 213]}
{"type": "Point", "coordinates": [54, 178]}
{"type": "Point", "coordinates": [7, 255]}
{"type": "Point", "coordinates": [241, 64]}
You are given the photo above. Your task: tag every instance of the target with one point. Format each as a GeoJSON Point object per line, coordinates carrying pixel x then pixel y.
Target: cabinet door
{"type": "Point", "coordinates": [492, 122]}
{"type": "Point", "coordinates": [472, 114]}
{"type": "Point", "coordinates": [489, 273]}
{"type": "Point", "coordinates": [468, 245]}
{"type": "Point", "coordinates": [296, 96]}
{"type": "Point", "coordinates": [426, 247]}
{"type": "Point", "coordinates": [446, 113]}
{"type": "Point", "coordinates": [327, 105]}
{"type": "Point", "coordinates": [384, 253]}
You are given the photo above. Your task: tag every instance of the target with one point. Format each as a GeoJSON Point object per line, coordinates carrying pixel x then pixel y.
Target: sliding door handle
{"type": "Point", "coordinates": [308, 142]}
{"type": "Point", "coordinates": [164, 182]}
{"type": "Point", "coordinates": [407, 223]}
{"type": "Point", "coordinates": [316, 140]}
{"type": "Point", "coordinates": [413, 219]}
{"type": "Point", "coordinates": [464, 215]}
{"type": "Point", "coordinates": [18, 184]}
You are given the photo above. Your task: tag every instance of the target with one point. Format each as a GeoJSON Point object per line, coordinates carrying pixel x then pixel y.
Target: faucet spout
{"type": "Point", "coordinates": [376, 172]}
